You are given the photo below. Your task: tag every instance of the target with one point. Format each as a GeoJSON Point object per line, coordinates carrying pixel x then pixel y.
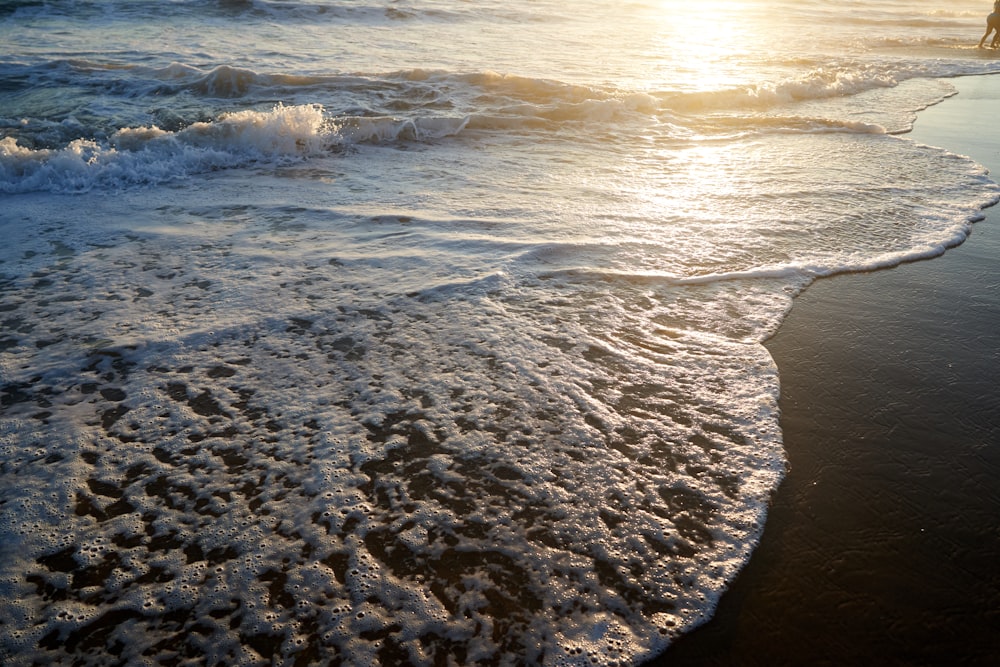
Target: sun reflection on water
{"type": "Point", "coordinates": [703, 46]}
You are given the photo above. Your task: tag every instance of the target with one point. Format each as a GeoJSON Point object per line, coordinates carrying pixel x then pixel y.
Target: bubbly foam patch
{"type": "Point", "coordinates": [314, 473]}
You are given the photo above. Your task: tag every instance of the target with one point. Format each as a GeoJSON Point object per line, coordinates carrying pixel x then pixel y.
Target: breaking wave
{"type": "Point", "coordinates": [150, 155]}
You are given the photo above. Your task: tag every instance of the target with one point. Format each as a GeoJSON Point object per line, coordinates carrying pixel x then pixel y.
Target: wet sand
{"type": "Point", "coordinates": [882, 546]}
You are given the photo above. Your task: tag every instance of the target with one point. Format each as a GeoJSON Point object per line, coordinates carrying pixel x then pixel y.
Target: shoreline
{"type": "Point", "coordinates": [882, 543]}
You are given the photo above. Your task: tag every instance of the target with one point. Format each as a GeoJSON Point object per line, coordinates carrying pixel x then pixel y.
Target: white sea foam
{"type": "Point", "coordinates": [150, 155]}
{"type": "Point", "coordinates": [419, 506]}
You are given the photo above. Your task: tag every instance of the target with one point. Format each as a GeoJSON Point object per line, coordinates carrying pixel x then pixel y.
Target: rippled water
{"type": "Point", "coordinates": [425, 332]}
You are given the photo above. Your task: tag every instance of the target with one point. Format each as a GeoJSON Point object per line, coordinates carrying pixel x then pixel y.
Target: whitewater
{"type": "Point", "coordinates": [427, 332]}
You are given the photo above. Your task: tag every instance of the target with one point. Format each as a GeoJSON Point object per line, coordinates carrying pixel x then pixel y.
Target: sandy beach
{"type": "Point", "coordinates": [882, 543]}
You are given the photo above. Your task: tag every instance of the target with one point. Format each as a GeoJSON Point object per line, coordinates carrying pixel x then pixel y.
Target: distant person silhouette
{"type": "Point", "coordinates": [992, 23]}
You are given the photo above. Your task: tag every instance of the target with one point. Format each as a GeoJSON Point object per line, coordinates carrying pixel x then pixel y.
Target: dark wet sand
{"type": "Point", "coordinates": [882, 546]}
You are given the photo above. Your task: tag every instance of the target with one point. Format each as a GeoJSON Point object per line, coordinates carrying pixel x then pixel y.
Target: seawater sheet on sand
{"type": "Point", "coordinates": [284, 421]}
{"type": "Point", "coordinates": [217, 445]}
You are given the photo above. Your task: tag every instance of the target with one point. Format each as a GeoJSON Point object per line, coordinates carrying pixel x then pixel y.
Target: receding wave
{"type": "Point", "coordinates": [729, 127]}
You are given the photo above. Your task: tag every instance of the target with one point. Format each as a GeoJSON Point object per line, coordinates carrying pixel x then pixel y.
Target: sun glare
{"type": "Point", "coordinates": [693, 44]}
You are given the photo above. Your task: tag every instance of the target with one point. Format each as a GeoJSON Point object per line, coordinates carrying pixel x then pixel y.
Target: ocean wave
{"type": "Point", "coordinates": [228, 81]}
{"type": "Point", "coordinates": [496, 101]}
{"type": "Point", "coordinates": [402, 106]}
{"type": "Point", "coordinates": [408, 105]}
{"type": "Point", "coordinates": [381, 130]}
{"type": "Point", "coordinates": [820, 83]}
{"type": "Point", "coordinates": [147, 155]}
{"type": "Point", "coordinates": [150, 154]}
{"type": "Point", "coordinates": [412, 104]}
{"type": "Point", "coordinates": [489, 100]}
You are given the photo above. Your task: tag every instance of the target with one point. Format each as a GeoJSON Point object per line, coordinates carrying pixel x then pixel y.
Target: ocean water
{"type": "Point", "coordinates": [400, 332]}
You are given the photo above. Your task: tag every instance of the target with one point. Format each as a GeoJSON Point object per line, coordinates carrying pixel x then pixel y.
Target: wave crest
{"type": "Point", "coordinates": [821, 83]}
{"type": "Point", "coordinates": [149, 154]}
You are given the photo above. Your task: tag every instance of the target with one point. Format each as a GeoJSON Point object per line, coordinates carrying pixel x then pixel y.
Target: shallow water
{"type": "Point", "coordinates": [415, 332]}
